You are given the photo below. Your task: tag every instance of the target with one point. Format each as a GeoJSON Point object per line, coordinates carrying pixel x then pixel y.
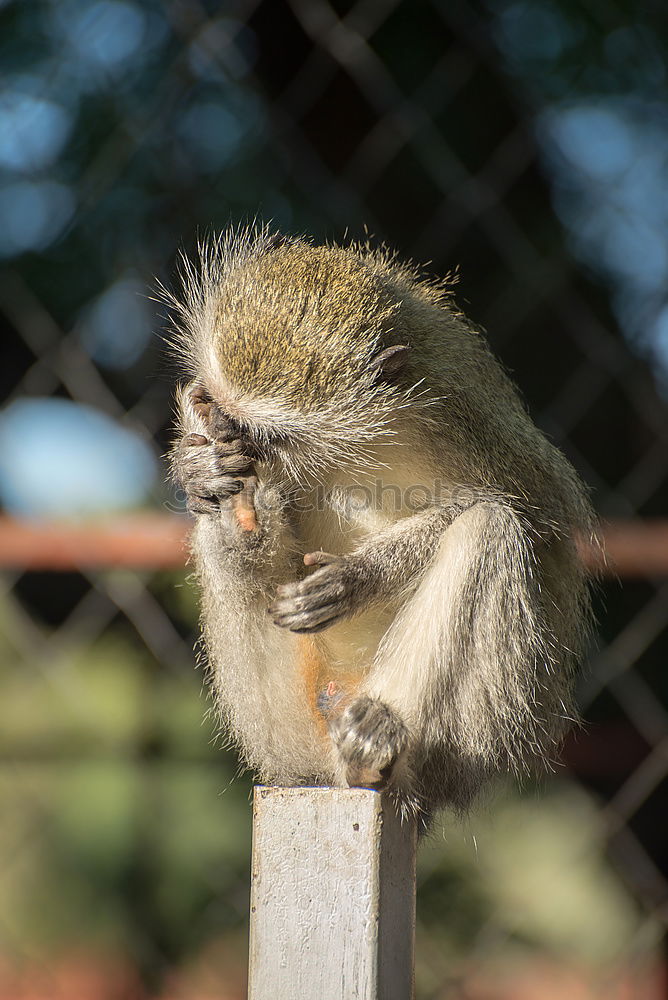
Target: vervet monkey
{"type": "Point", "coordinates": [385, 543]}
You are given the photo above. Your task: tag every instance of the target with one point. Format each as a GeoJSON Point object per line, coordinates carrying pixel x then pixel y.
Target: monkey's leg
{"type": "Point", "coordinates": [478, 660]}
{"type": "Point", "coordinates": [377, 570]}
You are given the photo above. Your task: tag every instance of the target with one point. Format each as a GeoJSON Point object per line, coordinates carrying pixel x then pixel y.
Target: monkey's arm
{"type": "Point", "coordinates": [380, 569]}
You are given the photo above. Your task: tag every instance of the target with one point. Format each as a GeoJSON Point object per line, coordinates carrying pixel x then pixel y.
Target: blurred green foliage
{"type": "Point", "coordinates": [122, 815]}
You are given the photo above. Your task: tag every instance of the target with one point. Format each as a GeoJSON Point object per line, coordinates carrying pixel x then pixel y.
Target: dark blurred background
{"type": "Point", "coordinates": [524, 142]}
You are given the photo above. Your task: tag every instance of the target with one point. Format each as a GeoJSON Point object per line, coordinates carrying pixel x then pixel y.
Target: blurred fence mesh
{"type": "Point", "coordinates": [125, 129]}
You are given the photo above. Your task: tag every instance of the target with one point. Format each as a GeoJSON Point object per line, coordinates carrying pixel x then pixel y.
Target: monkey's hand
{"type": "Point", "coordinates": [210, 472]}
{"type": "Point", "coordinates": [321, 599]}
{"type": "Point", "coordinates": [369, 737]}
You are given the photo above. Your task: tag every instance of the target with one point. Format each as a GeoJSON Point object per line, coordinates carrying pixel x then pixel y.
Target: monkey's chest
{"type": "Point", "coordinates": [341, 516]}
{"type": "Point", "coordinates": [340, 521]}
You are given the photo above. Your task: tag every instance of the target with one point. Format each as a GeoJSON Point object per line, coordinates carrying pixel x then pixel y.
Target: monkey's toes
{"type": "Point", "coordinates": [370, 737]}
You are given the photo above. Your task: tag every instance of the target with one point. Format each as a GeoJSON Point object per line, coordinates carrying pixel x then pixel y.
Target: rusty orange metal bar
{"type": "Point", "coordinates": [140, 541]}
{"type": "Point", "coordinates": [630, 549]}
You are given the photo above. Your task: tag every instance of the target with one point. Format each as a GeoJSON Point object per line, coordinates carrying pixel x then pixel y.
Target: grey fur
{"type": "Point", "coordinates": [463, 615]}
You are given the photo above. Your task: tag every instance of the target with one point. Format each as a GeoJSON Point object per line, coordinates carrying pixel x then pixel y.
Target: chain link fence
{"type": "Point", "coordinates": [520, 141]}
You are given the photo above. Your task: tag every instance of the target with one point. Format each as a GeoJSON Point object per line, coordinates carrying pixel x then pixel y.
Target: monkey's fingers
{"type": "Point", "coordinates": [231, 456]}
{"type": "Point", "coordinates": [199, 499]}
{"type": "Point", "coordinates": [215, 421]}
{"type": "Point", "coordinates": [317, 601]}
{"type": "Point", "coordinates": [217, 486]}
{"type": "Point", "coordinates": [201, 401]}
{"type": "Point", "coordinates": [219, 425]}
{"type": "Point", "coordinates": [304, 622]}
{"type": "Point", "coordinates": [298, 616]}
{"type": "Point", "coordinates": [198, 455]}
{"type": "Point", "coordinates": [195, 440]}
{"type": "Point", "coordinates": [210, 472]}
{"type": "Point", "coordinates": [289, 598]}
{"type": "Point", "coordinates": [293, 598]}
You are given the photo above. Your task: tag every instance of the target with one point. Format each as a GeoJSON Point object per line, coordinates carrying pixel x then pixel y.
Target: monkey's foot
{"type": "Point", "coordinates": [210, 471]}
{"type": "Point", "coordinates": [369, 737]}
{"type": "Point", "coordinates": [321, 599]}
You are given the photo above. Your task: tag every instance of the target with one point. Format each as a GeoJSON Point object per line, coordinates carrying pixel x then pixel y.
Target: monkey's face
{"type": "Point", "coordinates": [301, 348]}
{"type": "Point", "coordinates": [311, 420]}
{"type": "Point", "coordinates": [300, 442]}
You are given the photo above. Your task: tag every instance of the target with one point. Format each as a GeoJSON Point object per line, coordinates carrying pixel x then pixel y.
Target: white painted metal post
{"type": "Point", "coordinates": [332, 896]}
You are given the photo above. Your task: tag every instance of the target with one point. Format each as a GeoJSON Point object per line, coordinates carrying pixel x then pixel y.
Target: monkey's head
{"type": "Point", "coordinates": [303, 348]}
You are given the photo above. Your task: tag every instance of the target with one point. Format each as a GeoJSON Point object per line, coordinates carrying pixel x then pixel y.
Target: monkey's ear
{"type": "Point", "coordinates": [391, 360]}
